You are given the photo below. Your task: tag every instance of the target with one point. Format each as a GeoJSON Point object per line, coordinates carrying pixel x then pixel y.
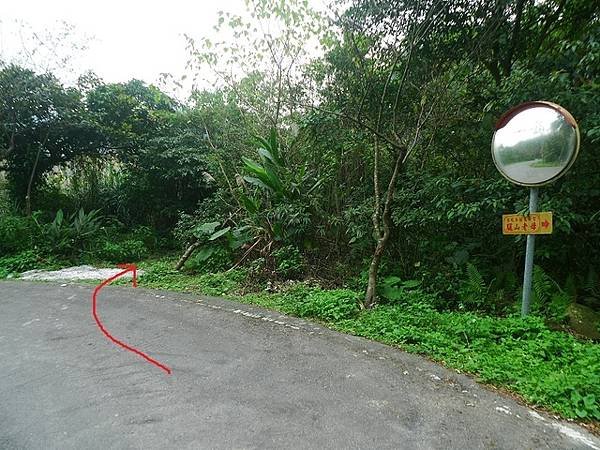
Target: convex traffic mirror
{"type": "Point", "coordinates": [535, 143]}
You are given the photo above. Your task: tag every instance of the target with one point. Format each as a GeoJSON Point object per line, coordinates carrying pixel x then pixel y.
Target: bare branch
{"type": "Point", "coordinates": [356, 121]}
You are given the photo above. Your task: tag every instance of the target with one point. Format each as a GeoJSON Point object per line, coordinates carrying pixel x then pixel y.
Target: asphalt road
{"type": "Point", "coordinates": [524, 171]}
{"type": "Point", "coordinates": [242, 377]}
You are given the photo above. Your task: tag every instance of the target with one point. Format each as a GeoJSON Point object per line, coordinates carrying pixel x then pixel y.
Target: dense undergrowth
{"type": "Point", "coordinates": [43, 241]}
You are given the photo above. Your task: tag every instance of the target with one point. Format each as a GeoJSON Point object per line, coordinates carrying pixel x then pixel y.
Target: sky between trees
{"type": "Point", "coordinates": [118, 40]}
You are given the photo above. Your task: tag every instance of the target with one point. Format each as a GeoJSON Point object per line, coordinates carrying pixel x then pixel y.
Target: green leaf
{"type": "Point", "coordinates": [251, 204]}
{"type": "Point", "coordinates": [392, 293]}
{"type": "Point", "coordinates": [274, 181]}
{"type": "Point", "coordinates": [589, 401]}
{"type": "Point", "coordinates": [254, 167]}
{"type": "Point", "coordinates": [411, 284]}
{"type": "Point", "coordinates": [315, 186]}
{"type": "Point", "coordinates": [256, 182]}
{"type": "Point", "coordinates": [265, 175]}
{"type": "Point", "coordinates": [239, 237]}
{"type": "Point", "coordinates": [271, 145]}
{"type": "Point", "coordinates": [206, 228]}
{"type": "Point", "coordinates": [205, 252]}
{"type": "Point", "coordinates": [391, 280]}
{"type": "Point", "coordinates": [59, 217]}
{"type": "Point", "coordinates": [219, 233]}
{"type": "Point", "coordinates": [262, 141]}
{"type": "Point", "coordinates": [266, 154]}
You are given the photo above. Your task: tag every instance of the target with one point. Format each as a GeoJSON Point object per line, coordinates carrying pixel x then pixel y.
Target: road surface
{"type": "Point", "coordinates": [242, 377]}
{"type": "Point", "coordinates": [524, 171]}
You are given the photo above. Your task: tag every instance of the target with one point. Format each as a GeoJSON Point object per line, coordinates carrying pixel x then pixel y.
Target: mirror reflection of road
{"type": "Point", "coordinates": [242, 377]}
{"type": "Point", "coordinates": [527, 170]}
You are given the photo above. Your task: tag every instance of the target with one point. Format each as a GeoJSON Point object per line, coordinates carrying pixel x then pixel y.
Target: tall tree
{"type": "Point", "coordinates": [41, 124]}
{"type": "Point", "coordinates": [263, 61]}
{"type": "Point", "coordinates": [391, 81]}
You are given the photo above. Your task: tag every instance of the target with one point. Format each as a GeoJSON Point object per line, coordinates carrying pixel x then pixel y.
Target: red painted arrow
{"type": "Point", "coordinates": [128, 268]}
{"type": "Point", "coordinates": [545, 224]}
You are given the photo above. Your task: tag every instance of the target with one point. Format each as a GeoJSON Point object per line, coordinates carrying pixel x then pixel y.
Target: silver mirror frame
{"type": "Point", "coordinates": [507, 116]}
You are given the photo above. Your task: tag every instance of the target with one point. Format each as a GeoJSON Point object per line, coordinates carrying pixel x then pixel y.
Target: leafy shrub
{"type": "Point", "coordinates": [211, 258]}
{"type": "Point", "coordinates": [257, 267]}
{"type": "Point", "coordinates": [357, 220]}
{"type": "Point", "coordinates": [473, 292]}
{"type": "Point", "coordinates": [66, 235]}
{"type": "Point", "coordinates": [146, 235]}
{"type": "Point", "coordinates": [393, 289]}
{"type": "Point", "coordinates": [549, 299]}
{"type": "Point", "coordinates": [216, 242]}
{"type": "Point", "coordinates": [329, 305]}
{"type": "Point", "coordinates": [288, 262]}
{"type": "Point", "coordinates": [223, 283]}
{"type": "Point", "coordinates": [19, 262]}
{"type": "Point", "coordinates": [84, 225]}
{"type": "Point", "coordinates": [209, 210]}
{"type": "Point", "coordinates": [444, 281]}
{"type": "Point", "coordinates": [128, 250]}
{"type": "Point", "coordinates": [159, 274]}
{"type": "Point", "coordinates": [16, 233]}
{"type": "Point", "coordinates": [162, 275]}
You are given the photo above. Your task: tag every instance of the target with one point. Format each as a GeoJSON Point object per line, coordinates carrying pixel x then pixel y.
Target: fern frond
{"type": "Point", "coordinates": [474, 279]}
{"type": "Point", "coordinates": [542, 285]}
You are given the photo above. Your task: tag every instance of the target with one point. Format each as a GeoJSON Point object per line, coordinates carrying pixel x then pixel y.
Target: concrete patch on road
{"type": "Point", "coordinates": [74, 273]}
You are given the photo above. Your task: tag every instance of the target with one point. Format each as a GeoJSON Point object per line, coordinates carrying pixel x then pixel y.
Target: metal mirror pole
{"type": "Point", "coordinates": [533, 204]}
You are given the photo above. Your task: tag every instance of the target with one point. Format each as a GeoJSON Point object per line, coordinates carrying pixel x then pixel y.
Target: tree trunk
{"type": "Point", "coordinates": [30, 184]}
{"type": "Point", "coordinates": [371, 295]}
{"type": "Point", "coordinates": [186, 255]}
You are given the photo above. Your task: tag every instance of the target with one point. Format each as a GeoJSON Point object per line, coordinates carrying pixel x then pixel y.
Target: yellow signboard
{"type": "Point", "coordinates": [534, 223]}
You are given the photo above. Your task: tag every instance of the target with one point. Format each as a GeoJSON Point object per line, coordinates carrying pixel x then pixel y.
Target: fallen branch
{"type": "Point", "coordinates": [245, 255]}
{"type": "Point", "coordinates": [186, 255]}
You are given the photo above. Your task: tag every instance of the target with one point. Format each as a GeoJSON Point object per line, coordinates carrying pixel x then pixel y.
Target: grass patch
{"type": "Point", "coordinates": [544, 164]}
{"type": "Point", "coordinates": [160, 274]}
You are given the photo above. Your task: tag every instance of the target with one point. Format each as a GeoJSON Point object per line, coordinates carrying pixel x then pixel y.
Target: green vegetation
{"type": "Point", "coordinates": [357, 175]}
{"type": "Point", "coordinates": [545, 164]}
